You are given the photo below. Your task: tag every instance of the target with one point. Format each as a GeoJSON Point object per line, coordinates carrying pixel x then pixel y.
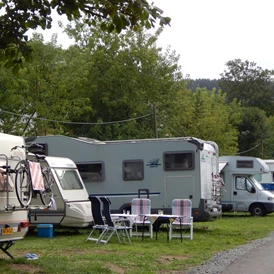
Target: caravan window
{"type": "Point", "coordinates": [178, 161]}
{"type": "Point", "coordinates": [243, 183]}
{"type": "Point", "coordinates": [133, 170]}
{"type": "Point", "coordinates": [91, 172]}
{"type": "Point", "coordinates": [244, 164]}
{"type": "Point", "coordinates": [68, 178]}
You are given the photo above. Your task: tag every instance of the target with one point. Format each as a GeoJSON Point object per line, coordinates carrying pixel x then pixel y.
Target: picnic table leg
{"type": "Point", "coordinates": [167, 230]}
{"type": "Point", "coordinates": [143, 228]}
{"type": "Point", "coordinates": [181, 230]}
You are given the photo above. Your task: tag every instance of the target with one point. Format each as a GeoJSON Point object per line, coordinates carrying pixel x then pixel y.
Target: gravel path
{"type": "Point", "coordinates": [221, 260]}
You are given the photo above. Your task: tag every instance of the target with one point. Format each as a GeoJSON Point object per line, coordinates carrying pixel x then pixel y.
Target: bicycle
{"type": "Point", "coordinates": [31, 180]}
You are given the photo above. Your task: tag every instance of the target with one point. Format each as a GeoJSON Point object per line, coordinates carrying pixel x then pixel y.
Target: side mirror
{"type": "Point", "coordinates": [253, 190]}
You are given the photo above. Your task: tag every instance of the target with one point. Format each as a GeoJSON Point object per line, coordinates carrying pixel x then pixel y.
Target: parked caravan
{"type": "Point", "coordinates": [72, 204]}
{"type": "Point", "coordinates": [161, 169]}
{"type": "Point", "coordinates": [13, 218]}
{"type": "Point", "coordinates": [242, 192]}
{"type": "Point", "coordinates": [267, 179]}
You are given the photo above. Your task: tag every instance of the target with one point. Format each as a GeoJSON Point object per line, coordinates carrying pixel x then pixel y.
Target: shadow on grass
{"type": "Point", "coordinates": [237, 215]}
{"type": "Point", "coordinates": [62, 231]}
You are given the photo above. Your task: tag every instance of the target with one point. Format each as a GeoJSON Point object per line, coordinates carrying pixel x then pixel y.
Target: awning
{"type": "Point", "coordinates": [222, 165]}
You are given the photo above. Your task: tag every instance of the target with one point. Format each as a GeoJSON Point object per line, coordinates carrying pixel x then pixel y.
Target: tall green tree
{"type": "Point", "coordinates": [252, 132]}
{"type": "Point", "coordinates": [267, 145]}
{"type": "Point", "coordinates": [127, 75]}
{"type": "Point", "coordinates": [249, 84]}
{"type": "Point", "coordinates": [41, 92]}
{"type": "Point", "coordinates": [206, 114]}
{"type": "Point", "coordinates": [17, 17]}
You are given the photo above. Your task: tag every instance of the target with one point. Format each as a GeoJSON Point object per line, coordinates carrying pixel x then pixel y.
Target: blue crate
{"type": "Point", "coordinates": [45, 230]}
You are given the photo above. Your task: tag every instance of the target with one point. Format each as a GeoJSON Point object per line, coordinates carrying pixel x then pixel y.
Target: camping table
{"type": "Point", "coordinates": [167, 217]}
{"type": "Point", "coordinates": [130, 217]}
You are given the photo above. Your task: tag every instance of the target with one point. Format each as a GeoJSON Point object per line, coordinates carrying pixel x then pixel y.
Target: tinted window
{"type": "Point", "coordinates": [133, 170]}
{"type": "Point", "coordinates": [91, 172]}
{"type": "Point", "coordinates": [178, 161]}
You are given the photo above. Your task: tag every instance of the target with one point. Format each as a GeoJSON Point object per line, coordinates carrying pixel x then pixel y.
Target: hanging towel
{"type": "Point", "coordinates": [36, 176]}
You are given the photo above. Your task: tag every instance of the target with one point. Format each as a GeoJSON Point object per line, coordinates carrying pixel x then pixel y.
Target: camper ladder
{"type": "Point", "coordinates": [6, 185]}
{"type": "Point", "coordinates": [217, 186]}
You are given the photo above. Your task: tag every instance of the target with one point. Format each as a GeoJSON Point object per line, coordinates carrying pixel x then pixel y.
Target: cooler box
{"type": "Point", "coordinates": [45, 230]}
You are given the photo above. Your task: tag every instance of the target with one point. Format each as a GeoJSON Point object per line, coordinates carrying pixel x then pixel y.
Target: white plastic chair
{"type": "Point", "coordinates": [141, 207]}
{"type": "Point", "coordinates": [183, 209]}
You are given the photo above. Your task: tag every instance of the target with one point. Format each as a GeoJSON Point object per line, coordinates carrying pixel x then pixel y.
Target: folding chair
{"type": "Point", "coordinates": [141, 206]}
{"type": "Point", "coordinates": [99, 223]}
{"type": "Point", "coordinates": [116, 226]}
{"type": "Point", "coordinates": [183, 209]}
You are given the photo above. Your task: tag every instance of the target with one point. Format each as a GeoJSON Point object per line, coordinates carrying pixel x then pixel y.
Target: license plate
{"type": "Point", "coordinates": [7, 231]}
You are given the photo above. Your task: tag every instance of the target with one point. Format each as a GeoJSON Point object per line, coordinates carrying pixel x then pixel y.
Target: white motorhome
{"type": "Point", "coordinates": [267, 179]}
{"type": "Point", "coordinates": [14, 220]}
{"type": "Point", "coordinates": [162, 169]}
{"type": "Point", "coordinates": [242, 192]}
{"type": "Point", "coordinates": [72, 204]}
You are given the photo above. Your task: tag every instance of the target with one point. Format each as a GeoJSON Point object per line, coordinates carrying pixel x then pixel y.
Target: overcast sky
{"type": "Point", "coordinates": [207, 34]}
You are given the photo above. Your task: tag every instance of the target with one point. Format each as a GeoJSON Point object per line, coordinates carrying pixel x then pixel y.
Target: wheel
{"type": "Point", "coordinates": [257, 210]}
{"type": "Point", "coordinates": [23, 185]}
{"type": "Point", "coordinates": [47, 194]}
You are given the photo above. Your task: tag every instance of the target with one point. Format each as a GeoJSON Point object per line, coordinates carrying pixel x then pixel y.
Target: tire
{"type": "Point", "coordinates": [23, 185]}
{"type": "Point", "coordinates": [47, 194]}
{"type": "Point", "coordinates": [257, 210]}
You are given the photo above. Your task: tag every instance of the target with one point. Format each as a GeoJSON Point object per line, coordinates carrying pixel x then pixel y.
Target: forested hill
{"type": "Point", "coordinates": [203, 83]}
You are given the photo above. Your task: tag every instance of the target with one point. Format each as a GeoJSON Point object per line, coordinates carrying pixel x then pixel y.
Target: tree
{"type": "Point", "coordinates": [125, 76]}
{"type": "Point", "coordinates": [19, 16]}
{"type": "Point", "coordinates": [267, 148]}
{"type": "Point", "coordinates": [252, 131]}
{"type": "Point", "coordinates": [205, 114]}
{"type": "Point", "coordinates": [249, 84]}
{"type": "Point", "coordinates": [40, 95]}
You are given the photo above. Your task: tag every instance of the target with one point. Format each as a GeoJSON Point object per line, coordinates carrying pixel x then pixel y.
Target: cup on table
{"type": "Point", "coordinates": [128, 212]}
{"type": "Point", "coordinates": [160, 212]}
{"type": "Point", "coordinates": [124, 211]}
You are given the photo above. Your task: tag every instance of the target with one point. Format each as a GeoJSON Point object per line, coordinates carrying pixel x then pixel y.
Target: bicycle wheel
{"type": "Point", "coordinates": [23, 185]}
{"type": "Point", "coordinates": [46, 194]}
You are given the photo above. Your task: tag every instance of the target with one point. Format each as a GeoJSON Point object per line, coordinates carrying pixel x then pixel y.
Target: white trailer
{"type": "Point", "coordinates": [13, 219]}
{"type": "Point", "coordinates": [72, 204]}
{"type": "Point", "coordinates": [242, 192]}
{"type": "Point", "coordinates": [162, 169]}
{"type": "Point", "coordinates": [267, 179]}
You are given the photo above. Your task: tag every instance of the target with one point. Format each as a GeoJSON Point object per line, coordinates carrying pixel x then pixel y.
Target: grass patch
{"type": "Point", "coordinates": [68, 251]}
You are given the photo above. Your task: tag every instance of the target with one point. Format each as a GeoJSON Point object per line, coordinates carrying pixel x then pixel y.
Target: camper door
{"type": "Point", "coordinates": [244, 192]}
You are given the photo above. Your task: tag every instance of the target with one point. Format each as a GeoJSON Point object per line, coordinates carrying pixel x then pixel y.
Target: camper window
{"type": "Point", "coordinates": [244, 164]}
{"type": "Point", "coordinates": [178, 161]}
{"type": "Point", "coordinates": [243, 183]}
{"type": "Point", "coordinates": [68, 178]}
{"type": "Point", "coordinates": [91, 172]}
{"type": "Point", "coordinates": [133, 170]}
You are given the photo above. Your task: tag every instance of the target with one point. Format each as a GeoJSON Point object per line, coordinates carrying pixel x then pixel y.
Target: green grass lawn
{"type": "Point", "coordinates": [68, 251]}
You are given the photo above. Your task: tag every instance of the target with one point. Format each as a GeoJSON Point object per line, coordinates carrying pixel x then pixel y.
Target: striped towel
{"type": "Point", "coordinates": [36, 176]}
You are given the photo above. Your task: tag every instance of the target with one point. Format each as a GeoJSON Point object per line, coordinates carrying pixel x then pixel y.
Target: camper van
{"type": "Point", "coordinates": [267, 179]}
{"type": "Point", "coordinates": [14, 220]}
{"type": "Point", "coordinates": [72, 207]}
{"type": "Point", "coordinates": [242, 192]}
{"type": "Point", "coordinates": [161, 169]}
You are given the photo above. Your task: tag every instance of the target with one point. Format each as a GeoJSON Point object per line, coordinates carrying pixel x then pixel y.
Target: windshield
{"type": "Point", "coordinates": [258, 185]}
{"type": "Point", "coordinates": [68, 178]}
